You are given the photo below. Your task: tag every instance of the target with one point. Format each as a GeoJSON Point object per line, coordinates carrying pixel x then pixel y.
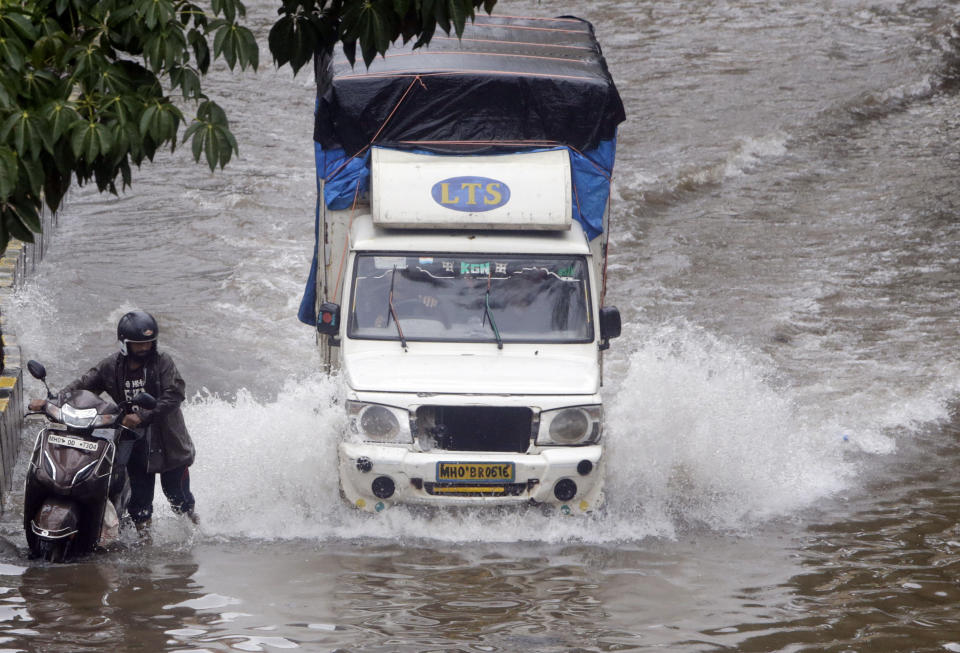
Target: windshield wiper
{"type": "Point", "coordinates": [488, 313]}
{"type": "Point", "coordinates": [393, 311]}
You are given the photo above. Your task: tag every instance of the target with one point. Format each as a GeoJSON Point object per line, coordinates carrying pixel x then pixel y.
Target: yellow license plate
{"type": "Point", "coordinates": [475, 472]}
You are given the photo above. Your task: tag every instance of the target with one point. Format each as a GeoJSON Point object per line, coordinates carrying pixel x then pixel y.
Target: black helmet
{"type": "Point", "coordinates": [137, 326]}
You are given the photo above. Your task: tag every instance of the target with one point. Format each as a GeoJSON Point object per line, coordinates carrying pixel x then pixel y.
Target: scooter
{"type": "Point", "coordinates": [77, 487]}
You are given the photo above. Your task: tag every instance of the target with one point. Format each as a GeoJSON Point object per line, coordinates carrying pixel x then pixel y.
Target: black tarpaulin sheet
{"type": "Point", "coordinates": [509, 80]}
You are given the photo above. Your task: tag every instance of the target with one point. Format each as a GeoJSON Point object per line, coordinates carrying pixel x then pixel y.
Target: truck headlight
{"type": "Point", "coordinates": [570, 426]}
{"type": "Point", "coordinates": [379, 423]}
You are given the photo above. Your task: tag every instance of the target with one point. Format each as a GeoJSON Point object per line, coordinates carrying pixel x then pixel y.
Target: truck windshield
{"type": "Point", "coordinates": [471, 298]}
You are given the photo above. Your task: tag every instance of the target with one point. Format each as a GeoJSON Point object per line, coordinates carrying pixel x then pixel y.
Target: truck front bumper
{"type": "Point", "coordinates": [374, 477]}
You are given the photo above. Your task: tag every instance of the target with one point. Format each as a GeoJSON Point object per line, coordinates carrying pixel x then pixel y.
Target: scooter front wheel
{"type": "Point", "coordinates": [52, 550]}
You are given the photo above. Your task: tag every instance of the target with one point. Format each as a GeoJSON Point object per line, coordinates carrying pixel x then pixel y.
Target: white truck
{"type": "Point", "coordinates": [458, 282]}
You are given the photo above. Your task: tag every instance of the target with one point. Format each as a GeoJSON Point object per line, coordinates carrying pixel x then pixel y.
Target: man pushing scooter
{"type": "Point", "coordinates": [166, 449]}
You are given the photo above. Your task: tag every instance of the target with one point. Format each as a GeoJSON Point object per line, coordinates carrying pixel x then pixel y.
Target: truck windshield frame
{"type": "Point", "coordinates": [450, 297]}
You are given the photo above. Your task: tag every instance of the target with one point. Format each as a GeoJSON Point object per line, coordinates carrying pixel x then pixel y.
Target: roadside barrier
{"type": "Point", "coordinates": [18, 261]}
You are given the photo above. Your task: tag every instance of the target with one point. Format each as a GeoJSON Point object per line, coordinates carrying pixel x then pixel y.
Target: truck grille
{"type": "Point", "coordinates": [474, 428]}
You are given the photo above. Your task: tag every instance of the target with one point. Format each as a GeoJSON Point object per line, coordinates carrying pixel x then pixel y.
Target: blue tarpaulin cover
{"type": "Point", "coordinates": [509, 85]}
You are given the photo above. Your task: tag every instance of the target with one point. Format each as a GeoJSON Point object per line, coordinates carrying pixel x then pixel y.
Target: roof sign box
{"type": "Point", "coordinates": [530, 190]}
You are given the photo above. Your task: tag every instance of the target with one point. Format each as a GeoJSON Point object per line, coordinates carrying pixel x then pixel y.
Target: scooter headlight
{"type": "Point", "coordinates": [571, 426]}
{"type": "Point", "coordinates": [104, 420]}
{"type": "Point", "coordinates": [379, 423]}
{"type": "Point", "coordinates": [78, 418]}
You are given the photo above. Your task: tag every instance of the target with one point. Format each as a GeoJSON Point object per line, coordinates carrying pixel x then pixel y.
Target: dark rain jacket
{"type": "Point", "coordinates": [169, 443]}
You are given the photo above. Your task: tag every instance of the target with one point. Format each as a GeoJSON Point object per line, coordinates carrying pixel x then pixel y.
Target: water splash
{"type": "Point", "coordinates": [699, 432]}
{"type": "Point", "coordinates": [702, 431]}
{"type": "Point", "coordinates": [268, 468]}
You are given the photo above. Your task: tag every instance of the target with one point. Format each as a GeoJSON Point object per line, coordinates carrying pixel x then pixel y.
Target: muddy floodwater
{"type": "Point", "coordinates": [782, 412]}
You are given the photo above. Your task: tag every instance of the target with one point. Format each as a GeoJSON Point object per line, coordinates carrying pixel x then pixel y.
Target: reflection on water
{"type": "Point", "coordinates": [876, 572]}
{"type": "Point", "coordinates": [94, 605]}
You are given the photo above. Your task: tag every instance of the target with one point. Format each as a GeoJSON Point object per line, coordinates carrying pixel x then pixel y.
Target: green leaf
{"type": "Point", "coordinates": [27, 132]}
{"type": "Point", "coordinates": [105, 138]}
{"type": "Point", "coordinates": [124, 166]}
{"type": "Point", "coordinates": [20, 215]}
{"type": "Point", "coordinates": [61, 116]}
{"type": "Point", "coordinates": [147, 118]}
{"type": "Point", "coordinates": [190, 11]}
{"type": "Point", "coordinates": [165, 11]}
{"type": "Point", "coordinates": [12, 53]}
{"type": "Point", "coordinates": [166, 126]}
{"type": "Point", "coordinates": [219, 37]}
{"type": "Point", "coordinates": [83, 140]}
{"type": "Point", "coordinates": [150, 15]}
{"type": "Point", "coordinates": [294, 39]}
{"type": "Point", "coordinates": [175, 49]}
{"type": "Point", "coordinates": [249, 50]}
{"type": "Point", "coordinates": [153, 52]}
{"type": "Point", "coordinates": [441, 13]}
{"type": "Point", "coordinates": [55, 186]}
{"type": "Point", "coordinates": [91, 142]}
{"type": "Point", "coordinates": [425, 35]}
{"type": "Point", "coordinates": [38, 85]}
{"type": "Point", "coordinates": [280, 39]}
{"type": "Point", "coordinates": [460, 10]}
{"type": "Point", "coordinates": [210, 111]}
{"type": "Point", "coordinates": [190, 84]}
{"type": "Point", "coordinates": [195, 131]}
{"type": "Point", "coordinates": [6, 99]}
{"type": "Point", "coordinates": [33, 171]}
{"type": "Point", "coordinates": [18, 25]}
{"type": "Point", "coordinates": [4, 236]}
{"type": "Point", "coordinates": [225, 44]}
{"type": "Point", "coordinates": [156, 13]}
{"type": "Point", "coordinates": [210, 148]}
{"type": "Point", "coordinates": [229, 9]}
{"type": "Point", "coordinates": [8, 124]}
{"type": "Point", "coordinates": [8, 172]}
{"type": "Point", "coordinates": [349, 49]}
{"type": "Point", "coordinates": [201, 51]}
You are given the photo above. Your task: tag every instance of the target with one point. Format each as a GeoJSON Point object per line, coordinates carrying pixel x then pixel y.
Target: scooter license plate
{"type": "Point", "coordinates": [76, 443]}
{"type": "Point", "coordinates": [457, 472]}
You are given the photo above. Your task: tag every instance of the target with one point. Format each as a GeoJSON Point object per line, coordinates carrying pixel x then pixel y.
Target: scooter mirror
{"type": "Point", "coordinates": [37, 370]}
{"type": "Point", "coordinates": [145, 400]}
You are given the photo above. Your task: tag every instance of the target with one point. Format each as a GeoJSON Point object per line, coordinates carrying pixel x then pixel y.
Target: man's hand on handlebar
{"type": "Point", "coordinates": [131, 421]}
{"type": "Point", "coordinates": [37, 405]}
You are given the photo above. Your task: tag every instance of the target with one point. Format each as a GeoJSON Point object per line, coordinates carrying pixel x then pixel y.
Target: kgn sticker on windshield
{"type": "Point", "coordinates": [467, 269]}
{"type": "Point", "coordinates": [470, 194]}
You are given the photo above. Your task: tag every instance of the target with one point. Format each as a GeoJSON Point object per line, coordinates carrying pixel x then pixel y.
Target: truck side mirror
{"type": "Point", "coordinates": [328, 319]}
{"type": "Point", "coordinates": [609, 325]}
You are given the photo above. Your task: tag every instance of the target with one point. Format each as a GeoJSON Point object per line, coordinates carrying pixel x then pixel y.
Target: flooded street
{"type": "Point", "coordinates": [782, 409]}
